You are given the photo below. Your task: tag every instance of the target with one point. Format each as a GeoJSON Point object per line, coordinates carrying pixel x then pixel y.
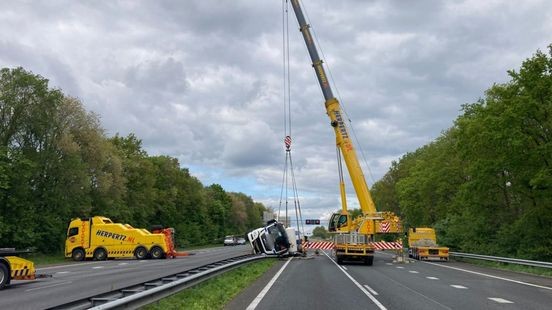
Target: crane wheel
{"type": "Point", "coordinates": [100, 254]}
{"type": "Point", "coordinates": [141, 253]}
{"type": "Point", "coordinates": [369, 260]}
{"type": "Point", "coordinates": [156, 252]}
{"type": "Point", "coordinates": [4, 275]}
{"type": "Point", "coordinates": [77, 255]}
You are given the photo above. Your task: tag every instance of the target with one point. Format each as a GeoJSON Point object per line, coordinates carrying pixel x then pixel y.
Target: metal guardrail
{"type": "Point", "coordinates": [150, 291]}
{"type": "Point", "coordinates": [508, 260]}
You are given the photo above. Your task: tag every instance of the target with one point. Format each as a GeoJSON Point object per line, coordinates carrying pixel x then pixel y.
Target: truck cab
{"type": "Point", "coordinates": [272, 239]}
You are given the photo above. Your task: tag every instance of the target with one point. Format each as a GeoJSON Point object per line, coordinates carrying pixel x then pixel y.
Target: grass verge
{"type": "Point", "coordinates": [511, 267]}
{"type": "Point", "coordinates": [45, 259]}
{"type": "Point", "coordinates": [215, 293]}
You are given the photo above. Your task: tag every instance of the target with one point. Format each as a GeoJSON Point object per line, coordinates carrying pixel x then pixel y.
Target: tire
{"type": "Point", "coordinates": [339, 260]}
{"type": "Point", "coordinates": [4, 276]}
{"type": "Point", "coordinates": [156, 252]}
{"type": "Point", "coordinates": [78, 255]}
{"type": "Point", "coordinates": [369, 260]}
{"type": "Point", "coordinates": [100, 254]}
{"type": "Point", "coordinates": [141, 253]}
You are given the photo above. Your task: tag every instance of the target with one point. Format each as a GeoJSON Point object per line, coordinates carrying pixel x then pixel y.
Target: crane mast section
{"type": "Point", "coordinates": [333, 109]}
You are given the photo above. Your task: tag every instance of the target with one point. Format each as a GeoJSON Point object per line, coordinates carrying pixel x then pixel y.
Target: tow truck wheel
{"type": "Point", "coordinates": [100, 254]}
{"type": "Point", "coordinates": [140, 253]}
{"type": "Point", "coordinates": [4, 275]}
{"type": "Point", "coordinates": [339, 260]}
{"type": "Point", "coordinates": [77, 255]}
{"type": "Point", "coordinates": [156, 252]}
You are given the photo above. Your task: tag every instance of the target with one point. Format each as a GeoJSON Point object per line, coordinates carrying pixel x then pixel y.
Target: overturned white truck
{"type": "Point", "coordinates": [273, 239]}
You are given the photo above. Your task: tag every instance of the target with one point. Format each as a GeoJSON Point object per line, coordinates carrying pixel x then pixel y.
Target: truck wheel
{"type": "Point", "coordinates": [4, 276]}
{"type": "Point", "coordinates": [100, 254]}
{"type": "Point", "coordinates": [157, 253]}
{"type": "Point", "coordinates": [369, 260]}
{"type": "Point", "coordinates": [77, 255]}
{"type": "Point", "coordinates": [339, 260]}
{"type": "Point", "coordinates": [141, 253]}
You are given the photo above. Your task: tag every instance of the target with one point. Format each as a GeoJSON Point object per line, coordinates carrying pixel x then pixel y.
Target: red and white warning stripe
{"type": "Point", "coordinates": [387, 245]}
{"type": "Point", "coordinates": [323, 245]}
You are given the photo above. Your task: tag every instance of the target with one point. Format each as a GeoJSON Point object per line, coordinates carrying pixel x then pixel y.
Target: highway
{"type": "Point", "coordinates": [75, 280]}
{"type": "Point", "coordinates": [318, 283]}
{"type": "Point", "coordinates": [314, 282]}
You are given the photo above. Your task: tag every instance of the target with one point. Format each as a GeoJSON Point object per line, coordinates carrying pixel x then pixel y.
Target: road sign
{"type": "Point", "coordinates": [312, 222]}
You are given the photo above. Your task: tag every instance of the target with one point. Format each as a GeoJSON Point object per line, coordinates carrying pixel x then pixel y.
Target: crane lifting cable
{"type": "Point", "coordinates": [289, 189]}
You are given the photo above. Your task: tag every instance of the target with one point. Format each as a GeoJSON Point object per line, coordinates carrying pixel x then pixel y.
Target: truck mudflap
{"type": "Point", "coordinates": [21, 269]}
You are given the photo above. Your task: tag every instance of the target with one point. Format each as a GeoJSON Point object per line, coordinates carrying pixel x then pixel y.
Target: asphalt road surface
{"type": "Point", "coordinates": [76, 280]}
{"type": "Point", "coordinates": [318, 283]}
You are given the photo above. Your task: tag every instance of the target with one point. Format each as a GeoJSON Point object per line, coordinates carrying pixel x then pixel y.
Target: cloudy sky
{"type": "Point", "coordinates": [202, 80]}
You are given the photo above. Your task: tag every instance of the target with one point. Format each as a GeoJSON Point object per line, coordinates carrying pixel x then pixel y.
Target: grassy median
{"type": "Point", "coordinates": [215, 293]}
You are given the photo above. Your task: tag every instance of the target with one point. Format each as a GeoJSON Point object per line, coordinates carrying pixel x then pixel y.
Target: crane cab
{"type": "Point", "coordinates": [337, 222]}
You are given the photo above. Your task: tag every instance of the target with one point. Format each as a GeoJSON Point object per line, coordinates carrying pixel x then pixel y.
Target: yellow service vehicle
{"type": "Point", "coordinates": [100, 238]}
{"type": "Point", "coordinates": [14, 268]}
{"type": "Point", "coordinates": [422, 244]}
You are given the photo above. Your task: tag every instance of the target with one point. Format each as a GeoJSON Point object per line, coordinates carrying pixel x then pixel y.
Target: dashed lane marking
{"type": "Point", "coordinates": [413, 271]}
{"type": "Point", "coordinates": [122, 264]}
{"type": "Point", "coordinates": [400, 267]}
{"type": "Point", "coordinates": [48, 286]}
{"type": "Point", "coordinates": [62, 272]}
{"type": "Point", "coordinates": [68, 265]}
{"type": "Point", "coordinates": [432, 278]}
{"type": "Point", "coordinates": [371, 290]}
{"type": "Point", "coordinates": [262, 294]}
{"type": "Point", "coordinates": [97, 267]}
{"type": "Point", "coordinates": [344, 267]}
{"type": "Point", "coordinates": [459, 286]}
{"type": "Point", "coordinates": [389, 264]}
{"type": "Point", "coordinates": [500, 300]}
{"type": "Point", "coordinates": [491, 276]}
{"type": "Point", "coordinates": [372, 298]}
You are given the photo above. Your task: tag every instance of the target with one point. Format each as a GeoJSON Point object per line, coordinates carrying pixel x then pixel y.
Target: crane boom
{"type": "Point", "coordinates": [333, 109]}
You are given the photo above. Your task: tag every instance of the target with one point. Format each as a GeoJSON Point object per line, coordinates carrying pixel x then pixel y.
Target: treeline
{"type": "Point", "coordinates": [56, 163]}
{"type": "Point", "coordinates": [486, 183]}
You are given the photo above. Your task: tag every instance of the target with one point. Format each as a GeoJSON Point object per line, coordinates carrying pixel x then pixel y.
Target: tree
{"type": "Point", "coordinates": [320, 232]}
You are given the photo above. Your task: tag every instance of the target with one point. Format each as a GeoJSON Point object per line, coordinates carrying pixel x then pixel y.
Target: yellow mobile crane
{"type": "Point", "coordinates": [353, 238]}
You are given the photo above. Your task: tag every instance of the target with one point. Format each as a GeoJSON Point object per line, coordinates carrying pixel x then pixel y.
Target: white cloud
{"type": "Point", "coordinates": [202, 80]}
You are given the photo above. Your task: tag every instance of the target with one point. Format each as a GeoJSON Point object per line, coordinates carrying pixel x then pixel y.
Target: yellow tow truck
{"type": "Point", "coordinates": [100, 238]}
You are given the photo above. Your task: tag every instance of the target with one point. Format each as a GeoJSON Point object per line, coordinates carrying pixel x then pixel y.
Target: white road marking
{"type": "Point", "coordinates": [377, 302]}
{"type": "Point", "coordinates": [62, 272]}
{"type": "Point", "coordinates": [432, 278]}
{"type": "Point", "coordinates": [418, 293]}
{"type": "Point", "coordinates": [70, 265]}
{"type": "Point", "coordinates": [400, 267]}
{"type": "Point", "coordinates": [97, 267]}
{"type": "Point", "coordinates": [491, 276]}
{"type": "Point", "coordinates": [389, 264]}
{"type": "Point", "coordinates": [501, 300]}
{"type": "Point", "coordinates": [413, 271]}
{"type": "Point", "coordinates": [262, 294]}
{"type": "Point", "coordinates": [371, 290]}
{"type": "Point", "coordinates": [48, 286]}
{"type": "Point", "coordinates": [122, 264]}
{"type": "Point", "coordinates": [459, 286]}
{"type": "Point", "coordinates": [344, 267]}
